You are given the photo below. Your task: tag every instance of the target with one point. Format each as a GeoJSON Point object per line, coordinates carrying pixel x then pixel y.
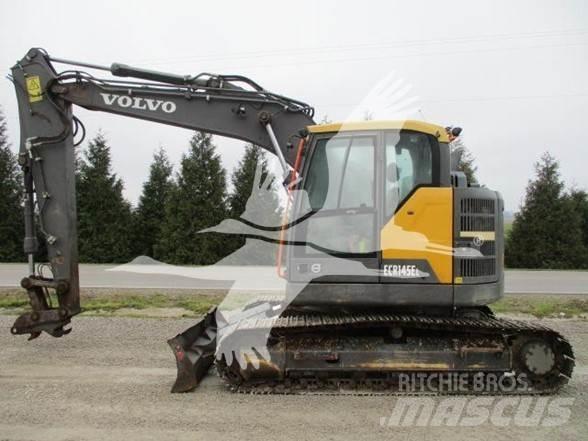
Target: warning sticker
{"type": "Point", "coordinates": [34, 88]}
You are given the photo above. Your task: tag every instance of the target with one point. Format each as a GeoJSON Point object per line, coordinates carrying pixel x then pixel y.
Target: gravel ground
{"type": "Point", "coordinates": [110, 379]}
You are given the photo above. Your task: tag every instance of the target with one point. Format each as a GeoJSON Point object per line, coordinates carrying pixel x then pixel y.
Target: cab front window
{"type": "Point", "coordinates": [340, 185]}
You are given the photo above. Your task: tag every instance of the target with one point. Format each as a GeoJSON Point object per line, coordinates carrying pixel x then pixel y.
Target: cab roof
{"type": "Point", "coordinates": [408, 124]}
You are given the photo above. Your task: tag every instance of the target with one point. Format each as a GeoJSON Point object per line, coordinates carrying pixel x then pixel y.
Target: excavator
{"type": "Point", "coordinates": [391, 256]}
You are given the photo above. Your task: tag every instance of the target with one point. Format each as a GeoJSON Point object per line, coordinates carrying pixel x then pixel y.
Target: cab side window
{"type": "Point", "coordinates": [409, 164]}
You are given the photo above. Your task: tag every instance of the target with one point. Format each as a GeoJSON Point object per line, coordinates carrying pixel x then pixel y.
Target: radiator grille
{"type": "Point", "coordinates": [477, 214]}
{"type": "Point", "coordinates": [477, 205]}
{"type": "Point", "coordinates": [488, 248]}
{"type": "Point", "coordinates": [477, 223]}
{"type": "Point", "coordinates": [477, 267]}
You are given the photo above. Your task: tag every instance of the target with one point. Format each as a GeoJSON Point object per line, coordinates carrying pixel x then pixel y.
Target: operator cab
{"type": "Point", "coordinates": [378, 194]}
{"type": "Point", "coordinates": [367, 174]}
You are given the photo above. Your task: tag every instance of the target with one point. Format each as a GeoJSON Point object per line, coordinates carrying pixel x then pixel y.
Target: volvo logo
{"type": "Point", "coordinates": [478, 241]}
{"type": "Point", "coordinates": [315, 268]}
{"type": "Point", "coordinates": [137, 102]}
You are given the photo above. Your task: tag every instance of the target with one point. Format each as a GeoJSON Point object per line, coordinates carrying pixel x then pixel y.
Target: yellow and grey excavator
{"type": "Point", "coordinates": [425, 247]}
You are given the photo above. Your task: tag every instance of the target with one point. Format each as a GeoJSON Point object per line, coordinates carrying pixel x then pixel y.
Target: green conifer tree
{"type": "Point", "coordinates": [547, 231]}
{"type": "Point", "coordinates": [579, 200]}
{"type": "Point", "coordinates": [11, 217]}
{"type": "Point", "coordinates": [150, 213]}
{"type": "Point", "coordinates": [265, 208]}
{"type": "Point", "coordinates": [104, 216]}
{"type": "Point", "coordinates": [465, 160]}
{"type": "Point", "coordinates": [197, 201]}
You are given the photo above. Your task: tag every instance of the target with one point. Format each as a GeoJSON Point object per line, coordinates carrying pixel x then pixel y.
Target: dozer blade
{"type": "Point", "coordinates": [194, 351]}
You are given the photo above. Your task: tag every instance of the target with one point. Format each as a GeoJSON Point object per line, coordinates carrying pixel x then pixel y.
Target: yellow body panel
{"type": "Point", "coordinates": [418, 126]}
{"type": "Point", "coordinates": [423, 229]}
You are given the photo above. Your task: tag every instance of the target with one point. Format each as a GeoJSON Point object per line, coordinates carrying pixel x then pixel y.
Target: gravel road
{"type": "Point", "coordinates": [110, 380]}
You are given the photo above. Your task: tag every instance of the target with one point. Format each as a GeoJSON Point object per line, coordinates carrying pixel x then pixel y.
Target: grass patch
{"type": "Point", "coordinates": [112, 303]}
{"type": "Point", "coordinates": [543, 306]}
{"type": "Point", "coordinates": [197, 303]}
{"type": "Point", "coordinates": [105, 303]}
{"type": "Point", "coordinates": [13, 300]}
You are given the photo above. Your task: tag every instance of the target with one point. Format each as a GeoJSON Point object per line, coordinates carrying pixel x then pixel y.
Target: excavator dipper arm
{"type": "Point", "coordinates": [232, 106]}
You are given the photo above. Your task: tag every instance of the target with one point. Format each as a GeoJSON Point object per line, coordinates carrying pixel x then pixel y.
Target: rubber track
{"type": "Point", "coordinates": [312, 323]}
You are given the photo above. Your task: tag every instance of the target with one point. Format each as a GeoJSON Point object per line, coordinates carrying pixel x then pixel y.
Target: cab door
{"type": "Point", "coordinates": [416, 232]}
{"type": "Point", "coordinates": [339, 239]}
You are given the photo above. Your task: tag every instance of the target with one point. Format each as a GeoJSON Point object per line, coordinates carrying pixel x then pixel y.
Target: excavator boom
{"type": "Point", "coordinates": [232, 106]}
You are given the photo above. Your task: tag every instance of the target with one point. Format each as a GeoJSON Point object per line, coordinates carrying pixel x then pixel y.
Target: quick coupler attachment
{"type": "Point", "coordinates": [194, 350]}
{"type": "Point", "coordinates": [43, 316]}
{"type": "Point", "coordinates": [52, 321]}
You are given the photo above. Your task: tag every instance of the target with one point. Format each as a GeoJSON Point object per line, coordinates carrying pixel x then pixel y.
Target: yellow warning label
{"type": "Point", "coordinates": [459, 280]}
{"type": "Point", "coordinates": [34, 88]}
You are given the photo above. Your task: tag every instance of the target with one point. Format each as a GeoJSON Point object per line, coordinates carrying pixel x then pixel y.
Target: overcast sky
{"type": "Point", "coordinates": [513, 74]}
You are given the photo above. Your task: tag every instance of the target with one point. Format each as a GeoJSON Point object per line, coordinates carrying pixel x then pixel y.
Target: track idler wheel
{"type": "Point", "coordinates": [547, 362]}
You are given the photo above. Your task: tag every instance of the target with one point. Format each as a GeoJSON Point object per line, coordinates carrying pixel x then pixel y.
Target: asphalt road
{"type": "Point", "coordinates": [546, 282]}
{"type": "Point", "coordinates": [264, 278]}
{"type": "Point", "coordinates": [110, 380]}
